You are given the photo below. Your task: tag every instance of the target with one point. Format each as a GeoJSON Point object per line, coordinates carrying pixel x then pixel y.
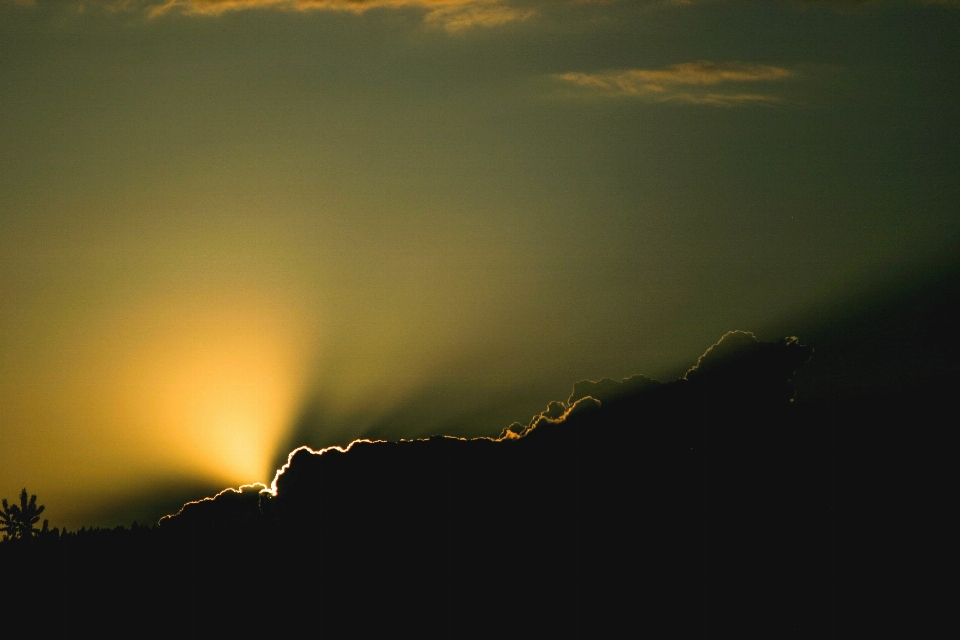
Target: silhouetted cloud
{"type": "Point", "coordinates": [736, 389]}
{"type": "Point", "coordinates": [689, 82]}
{"type": "Point", "coordinates": [230, 507]}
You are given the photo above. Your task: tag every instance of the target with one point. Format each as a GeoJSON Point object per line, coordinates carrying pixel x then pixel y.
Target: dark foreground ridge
{"type": "Point", "coordinates": [678, 510]}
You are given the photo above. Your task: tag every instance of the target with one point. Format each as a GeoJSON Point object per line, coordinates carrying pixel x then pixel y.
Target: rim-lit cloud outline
{"type": "Point", "coordinates": [698, 82]}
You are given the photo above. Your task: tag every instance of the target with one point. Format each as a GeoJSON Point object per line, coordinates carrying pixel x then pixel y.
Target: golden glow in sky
{"type": "Point", "coordinates": [228, 229]}
{"type": "Point", "coordinates": [187, 388]}
{"type": "Point", "coordinates": [220, 399]}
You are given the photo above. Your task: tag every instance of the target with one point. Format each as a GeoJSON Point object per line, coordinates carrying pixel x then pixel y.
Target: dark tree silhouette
{"type": "Point", "coordinates": [17, 521]}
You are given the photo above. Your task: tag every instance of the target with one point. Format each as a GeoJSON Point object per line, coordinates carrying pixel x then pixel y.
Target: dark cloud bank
{"type": "Point", "coordinates": [667, 509]}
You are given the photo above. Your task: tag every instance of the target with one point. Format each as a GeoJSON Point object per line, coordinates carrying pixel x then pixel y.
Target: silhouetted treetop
{"type": "Point", "coordinates": [18, 521]}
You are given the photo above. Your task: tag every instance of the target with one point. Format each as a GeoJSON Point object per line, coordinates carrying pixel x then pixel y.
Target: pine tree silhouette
{"type": "Point", "coordinates": [17, 521]}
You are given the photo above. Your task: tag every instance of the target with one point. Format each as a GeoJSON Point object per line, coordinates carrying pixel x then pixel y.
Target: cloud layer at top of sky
{"type": "Point", "coordinates": [451, 15]}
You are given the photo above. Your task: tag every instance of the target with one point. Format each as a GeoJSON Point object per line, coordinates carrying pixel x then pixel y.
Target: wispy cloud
{"type": "Point", "coordinates": [700, 82]}
{"type": "Point", "coordinates": [847, 4]}
{"type": "Point", "coordinates": [451, 15]}
{"type": "Point", "coordinates": [838, 4]}
{"type": "Point", "coordinates": [467, 15]}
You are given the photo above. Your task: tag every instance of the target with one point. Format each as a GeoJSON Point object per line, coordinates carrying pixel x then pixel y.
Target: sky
{"type": "Point", "coordinates": [232, 227]}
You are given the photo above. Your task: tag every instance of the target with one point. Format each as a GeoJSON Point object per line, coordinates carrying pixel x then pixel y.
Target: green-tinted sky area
{"type": "Point", "coordinates": [225, 235]}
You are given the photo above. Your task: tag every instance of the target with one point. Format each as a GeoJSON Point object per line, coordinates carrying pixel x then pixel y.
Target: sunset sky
{"type": "Point", "coordinates": [231, 227]}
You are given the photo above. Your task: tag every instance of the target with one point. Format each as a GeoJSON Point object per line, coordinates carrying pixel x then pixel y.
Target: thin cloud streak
{"type": "Point", "coordinates": [467, 15]}
{"type": "Point", "coordinates": [451, 15]}
{"type": "Point", "coordinates": [725, 99]}
{"type": "Point", "coordinates": [218, 7]}
{"type": "Point", "coordinates": [683, 83]}
{"type": "Point", "coordinates": [835, 4]}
